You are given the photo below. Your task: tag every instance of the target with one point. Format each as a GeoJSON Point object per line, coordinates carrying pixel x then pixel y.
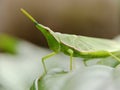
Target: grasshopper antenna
{"type": "Point", "coordinates": [28, 15]}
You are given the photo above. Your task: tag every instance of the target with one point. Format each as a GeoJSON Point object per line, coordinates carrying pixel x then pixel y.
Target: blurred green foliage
{"type": "Point", "coordinates": [8, 44]}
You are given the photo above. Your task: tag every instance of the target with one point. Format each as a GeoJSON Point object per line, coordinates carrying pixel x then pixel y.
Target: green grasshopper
{"type": "Point", "coordinates": [75, 46]}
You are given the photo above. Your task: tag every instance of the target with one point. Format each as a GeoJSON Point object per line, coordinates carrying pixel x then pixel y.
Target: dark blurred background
{"type": "Point", "coordinates": [96, 18]}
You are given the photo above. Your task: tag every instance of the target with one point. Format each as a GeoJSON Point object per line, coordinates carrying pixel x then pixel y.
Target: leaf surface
{"type": "Point", "coordinates": [96, 77]}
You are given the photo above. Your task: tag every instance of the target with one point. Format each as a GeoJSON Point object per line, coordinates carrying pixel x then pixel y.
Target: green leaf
{"type": "Point", "coordinates": [34, 86]}
{"type": "Point", "coordinates": [88, 78]}
{"type": "Point", "coordinates": [52, 81]}
{"type": "Point", "coordinates": [8, 44]}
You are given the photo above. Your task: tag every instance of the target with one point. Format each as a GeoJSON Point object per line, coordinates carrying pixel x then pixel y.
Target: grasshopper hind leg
{"type": "Point", "coordinates": [45, 58]}
{"type": "Point", "coordinates": [114, 56]}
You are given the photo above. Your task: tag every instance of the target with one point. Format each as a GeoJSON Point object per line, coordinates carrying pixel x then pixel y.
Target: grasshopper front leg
{"type": "Point", "coordinates": [70, 51]}
{"type": "Point", "coordinates": [45, 58]}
